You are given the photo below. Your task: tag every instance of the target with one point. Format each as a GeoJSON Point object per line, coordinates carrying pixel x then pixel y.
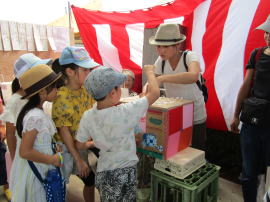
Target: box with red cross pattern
{"type": "Point", "coordinates": [168, 127]}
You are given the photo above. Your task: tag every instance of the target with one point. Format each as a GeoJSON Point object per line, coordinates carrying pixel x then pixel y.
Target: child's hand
{"type": "Point", "coordinates": [90, 144]}
{"type": "Point", "coordinates": [148, 68]}
{"type": "Point", "coordinates": [56, 160]}
{"type": "Point", "coordinates": [82, 167]}
{"type": "Point", "coordinates": [59, 148]}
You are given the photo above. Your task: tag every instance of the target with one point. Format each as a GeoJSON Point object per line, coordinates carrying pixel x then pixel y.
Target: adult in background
{"type": "Point", "coordinates": [129, 83]}
{"type": "Point", "coordinates": [255, 140]}
{"type": "Point", "coordinates": [177, 81]}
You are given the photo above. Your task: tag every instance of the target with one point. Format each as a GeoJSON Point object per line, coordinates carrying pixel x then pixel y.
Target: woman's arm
{"type": "Point", "coordinates": [242, 94]}
{"type": "Point", "coordinates": [184, 77]}
{"type": "Point", "coordinates": [28, 152]}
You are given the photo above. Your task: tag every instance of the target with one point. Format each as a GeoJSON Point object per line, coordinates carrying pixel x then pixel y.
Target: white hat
{"type": "Point", "coordinates": [166, 35]}
{"type": "Point", "coordinates": [26, 61]}
{"type": "Point", "coordinates": [266, 25]}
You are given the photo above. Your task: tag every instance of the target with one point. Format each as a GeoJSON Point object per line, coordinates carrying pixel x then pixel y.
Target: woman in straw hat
{"type": "Point", "coordinates": [36, 130]}
{"type": "Point", "coordinates": [177, 81]}
{"type": "Point", "coordinates": [255, 140]}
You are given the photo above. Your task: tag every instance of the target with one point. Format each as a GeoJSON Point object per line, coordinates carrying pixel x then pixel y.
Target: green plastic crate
{"type": "Point", "coordinates": [200, 186]}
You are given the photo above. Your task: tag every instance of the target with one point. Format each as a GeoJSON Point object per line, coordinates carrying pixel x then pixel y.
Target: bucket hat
{"type": "Point", "coordinates": [166, 35]}
{"type": "Point", "coordinates": [26, 61]}
{"type": "Point", "coordinates": [265, 26]}
{"type": "Point", "coordinates": [78, 56]}
{"type": "Point", "coordinates": [36, 79]}
{"type": "Point", "coordinates": [102, 80]}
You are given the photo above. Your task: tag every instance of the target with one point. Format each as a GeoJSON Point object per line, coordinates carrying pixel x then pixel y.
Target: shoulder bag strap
{"type": "Point", "coordinates": [162, 66]}
{"type": "Point", "coordinates": [35, 170]}
{"type": "Point", "coordinates": [185, 64]}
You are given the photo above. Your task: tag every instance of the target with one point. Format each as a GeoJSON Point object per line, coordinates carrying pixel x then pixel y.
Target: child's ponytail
{"type": "Point", "coordinates": [15, 85]}
{"type": "Point", "coordinates": [33, 102]}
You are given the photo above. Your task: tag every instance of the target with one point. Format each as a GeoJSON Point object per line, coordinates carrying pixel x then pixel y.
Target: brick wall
{"type": "Point", "coordinates": [8, 58]}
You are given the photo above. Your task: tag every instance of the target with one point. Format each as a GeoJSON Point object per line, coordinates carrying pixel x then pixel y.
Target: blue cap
{"type": "Point", "coordinates": [26, 61]}
{"type": "Point", "coordinates": [102, 80]}
{"type": "Point", "coordinates": [78, 56]}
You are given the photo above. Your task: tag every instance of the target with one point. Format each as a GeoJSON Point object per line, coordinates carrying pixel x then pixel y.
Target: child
{"type": "Point", "coordinates": [111, 128]}
{"type": "Point", "coordinates": [72, 101]}
{"type": "Point", "coordinates": [15, 103]}
{"type": "Point", "coordinates": [36, 130]}
{"type": "Point", "coordinates": [129, 83]}
{"type": "Point", "coordinates": [3, 171]}
{"type": "Point", "coordinates": [14, 106]}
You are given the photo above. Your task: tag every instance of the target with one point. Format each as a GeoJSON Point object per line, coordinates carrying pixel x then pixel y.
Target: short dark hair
{"type": "Point", "coordinates": [103, 98]}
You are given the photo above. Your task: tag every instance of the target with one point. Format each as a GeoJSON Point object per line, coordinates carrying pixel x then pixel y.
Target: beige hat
{"type": "Point", "coordinates": [166, 35]}
{"type": "Point", "coordinates": [36, 79]}
{"type": "Point", "coordinates": [266, 25]}
{"type": "Point", "coordinates": [128, 73]}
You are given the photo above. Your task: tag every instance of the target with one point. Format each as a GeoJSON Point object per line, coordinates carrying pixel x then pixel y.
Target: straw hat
{"type": "Point", "coordinates": [266, 25]}
{"type": "Point", "coordinates": [166, 35]}
{"type": "Point", "coordinates": [36, 79]}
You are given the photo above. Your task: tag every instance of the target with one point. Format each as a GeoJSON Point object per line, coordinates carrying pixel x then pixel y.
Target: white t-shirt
{"type": "Point", "coordinates": [112, 130]}
{"type": "Point", "coordinates": [186, 91]}
{"type": "Point", "coordinates": [13, 108]}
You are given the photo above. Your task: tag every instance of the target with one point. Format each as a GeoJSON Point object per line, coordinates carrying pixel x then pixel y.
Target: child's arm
{"type": "Point", "coordinates": [152, 93]}
{"type": "Point", "coordinates": [11, 138]}
{"type": "Point", "coordinates": [69, 142]}
{"type": "Point", "coordinates": [84, 145]}
{"type": "Point", "coordinates": [28, 152]}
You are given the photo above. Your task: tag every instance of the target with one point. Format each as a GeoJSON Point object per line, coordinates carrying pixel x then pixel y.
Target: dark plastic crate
{"type": "Point", "coordinates": [200, 186]}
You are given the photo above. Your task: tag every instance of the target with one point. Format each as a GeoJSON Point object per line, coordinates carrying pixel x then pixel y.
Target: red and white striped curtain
{"type": "Point", "coordinates": [221, 32]}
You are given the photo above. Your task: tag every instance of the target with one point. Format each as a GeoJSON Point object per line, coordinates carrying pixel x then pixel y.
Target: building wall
{"type": "Point", "coordinates": [8, 58]}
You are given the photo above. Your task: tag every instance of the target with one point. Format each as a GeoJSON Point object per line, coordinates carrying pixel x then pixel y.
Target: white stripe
{"type": "Point", "coordinates": [107, 51]}
{"type": "Point", "coordinates": [228, 75]}
{"type": "Point", "coordinates": [178, 20]}
{"type": "Point", "coordinates": [198, 30]}
{"type": "Point", "coordinates": [136, 37]}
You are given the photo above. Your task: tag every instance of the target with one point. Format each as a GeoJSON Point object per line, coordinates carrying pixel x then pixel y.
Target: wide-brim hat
{"type": "Point", "coordinates": [36, 79]}
{"type": "Point", "coordinates": [265, 26]}
{"type": "Point", "coordinates": [167, 35]}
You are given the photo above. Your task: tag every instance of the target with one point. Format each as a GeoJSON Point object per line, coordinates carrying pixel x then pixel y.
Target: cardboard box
{"type": "Point", "coordinates": [182, 164]}
{"type": "Point", "coordinates": [169, 124]}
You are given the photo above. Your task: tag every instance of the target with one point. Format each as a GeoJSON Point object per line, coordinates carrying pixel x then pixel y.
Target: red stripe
{"type": "Point", "coordinates": [89, 38]}
{"type": "Point", "coordinates": [154, 14]}
{"type": "Point", "coordinates": [212, 42]}
{"type": "Point", "coordinates": [120, 40]}
{"type": "Point", "coordinates": [188, 20]}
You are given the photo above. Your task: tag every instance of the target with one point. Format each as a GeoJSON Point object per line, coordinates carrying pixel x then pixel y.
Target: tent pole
{"type": "Point", "coordinates": [69, 14]}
